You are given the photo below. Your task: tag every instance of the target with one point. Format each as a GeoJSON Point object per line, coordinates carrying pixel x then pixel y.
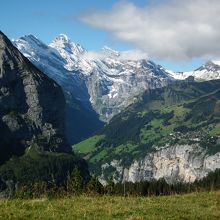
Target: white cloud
{"type": "Point", "coordinates": [169, 29]}
{"type": "Point", "coordinates": [133, 55]}
{"type": "Point", "coordinates": [124, 55]}
{"type": "Point", "coordinates": [94, 55]}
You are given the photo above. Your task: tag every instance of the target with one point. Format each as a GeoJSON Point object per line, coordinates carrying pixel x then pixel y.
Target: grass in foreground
{"type": "Point", "coordinates": [192, 206]}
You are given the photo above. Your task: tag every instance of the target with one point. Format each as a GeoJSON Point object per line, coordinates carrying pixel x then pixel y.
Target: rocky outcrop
{"type": "Point", "coordinates": [184, 163]}
{"type": "Point", "coordinates": [31, 105]}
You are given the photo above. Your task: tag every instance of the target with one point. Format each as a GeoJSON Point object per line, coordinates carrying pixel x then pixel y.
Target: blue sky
{"type": "Point", "coordinates": [48, 18]}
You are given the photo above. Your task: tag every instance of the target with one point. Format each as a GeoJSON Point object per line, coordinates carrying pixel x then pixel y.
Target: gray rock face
{"type": "Point", "coordinates": [115, 83]}
{"type": "Point", "coordinates": [31, 104]}
{"type": "Point", "coordinates": [184, 163]}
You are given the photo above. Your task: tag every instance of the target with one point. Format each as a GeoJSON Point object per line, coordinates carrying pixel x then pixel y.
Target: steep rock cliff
{"type": "Point", "coordinates": [31, 105]}
{"type": "Point", "coordinates": [184, 163]}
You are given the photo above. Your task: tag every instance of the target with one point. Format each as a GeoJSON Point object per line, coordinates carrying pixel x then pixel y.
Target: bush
{"type": "Point", "coordinates": [94, 187]}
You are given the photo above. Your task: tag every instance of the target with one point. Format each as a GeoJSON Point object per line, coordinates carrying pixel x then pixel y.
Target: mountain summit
{"type": "Point", "coordinates": [63, 41]}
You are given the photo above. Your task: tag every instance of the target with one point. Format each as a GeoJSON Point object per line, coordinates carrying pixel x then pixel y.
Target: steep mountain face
{"type": "Point", "coordinates": [32, 108]}
{"type": "Point", "coordinates": [31, 105]}
{"type": "Point", "coordinates": [81, 119]}
{"type": "Point", "coordinates": [208, 71]}
{"type": "Point", "coordinates": [108, 83]}
{"type": "Point", "coordinates": [171, 132]}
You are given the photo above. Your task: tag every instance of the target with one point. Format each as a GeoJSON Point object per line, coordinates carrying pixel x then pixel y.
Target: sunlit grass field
{"type": "Point", "coordinates": [205, 205]}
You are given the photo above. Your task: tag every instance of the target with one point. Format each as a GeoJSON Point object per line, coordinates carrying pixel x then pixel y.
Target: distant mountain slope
{"type": "Point", "coordinates": [177, 126]}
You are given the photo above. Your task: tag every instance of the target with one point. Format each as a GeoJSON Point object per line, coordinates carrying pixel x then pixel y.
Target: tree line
{"type": "Point", "coordinates": [75, 185]}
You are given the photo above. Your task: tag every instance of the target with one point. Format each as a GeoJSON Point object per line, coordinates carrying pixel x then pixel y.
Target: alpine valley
{"type": "Point", "coordinates": [158, 123]}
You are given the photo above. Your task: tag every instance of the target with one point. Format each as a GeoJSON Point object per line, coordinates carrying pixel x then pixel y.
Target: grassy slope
{"type": "Point", "coordinates": [192, 206]}
{"type": "Point", "coordinates": [87, 145]}
{"type": "Point", "coordinates": [184, 107]}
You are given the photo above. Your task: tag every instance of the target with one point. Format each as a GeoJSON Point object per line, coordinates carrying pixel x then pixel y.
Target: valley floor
{"type": "Point", "coordinates": [191, 206]}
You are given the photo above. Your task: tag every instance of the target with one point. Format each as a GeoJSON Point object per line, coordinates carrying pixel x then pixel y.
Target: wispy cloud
{"type": "Point", "coordinates": [169, 29]}
{"type": "Point", "coordinates": [125, 55]}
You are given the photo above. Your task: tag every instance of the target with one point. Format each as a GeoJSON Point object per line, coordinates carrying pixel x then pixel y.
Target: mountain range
{"type": "Point", "coordinates": [159, 123]}
{"type": "Point", "coordinates": [98, 87]}
{"type": "Point", "coordinates": [107, 83]}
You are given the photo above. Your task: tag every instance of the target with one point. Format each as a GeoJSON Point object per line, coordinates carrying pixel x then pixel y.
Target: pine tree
{"type": "Point", "coordinates": [110, 186]}
{"type": "Point", "coordinates": [74, 183]}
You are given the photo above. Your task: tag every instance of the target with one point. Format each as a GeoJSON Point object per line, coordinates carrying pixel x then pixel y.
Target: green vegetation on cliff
{"type": "Point", "coordinates": [181, 113]}
{"type": "Point", "coordinates": [39, 166]}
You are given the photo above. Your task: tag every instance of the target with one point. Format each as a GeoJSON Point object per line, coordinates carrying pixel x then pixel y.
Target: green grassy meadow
{"type": "Point", "coordinates": [203, 205]}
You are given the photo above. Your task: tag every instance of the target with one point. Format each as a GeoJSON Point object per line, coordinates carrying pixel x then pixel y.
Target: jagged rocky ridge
{"type": "Point", "coordinates": [31, 104]}
{"type": "Point", "coordinates": [171, 132]}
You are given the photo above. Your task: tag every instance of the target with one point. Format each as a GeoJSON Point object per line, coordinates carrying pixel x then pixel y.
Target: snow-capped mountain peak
{"type": "Point", "coordinates": [209, 71]}
{"type": "Point", "coordinates": [30, 37]}
{"type": "Point", "coordinates": [63, 42]}
{"type": "Point", "coordinates": [209, 66]}
{"type": "Point", "coordinates": [71, 52]}
{"type": "Point", "coordinates": [30, 45]}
